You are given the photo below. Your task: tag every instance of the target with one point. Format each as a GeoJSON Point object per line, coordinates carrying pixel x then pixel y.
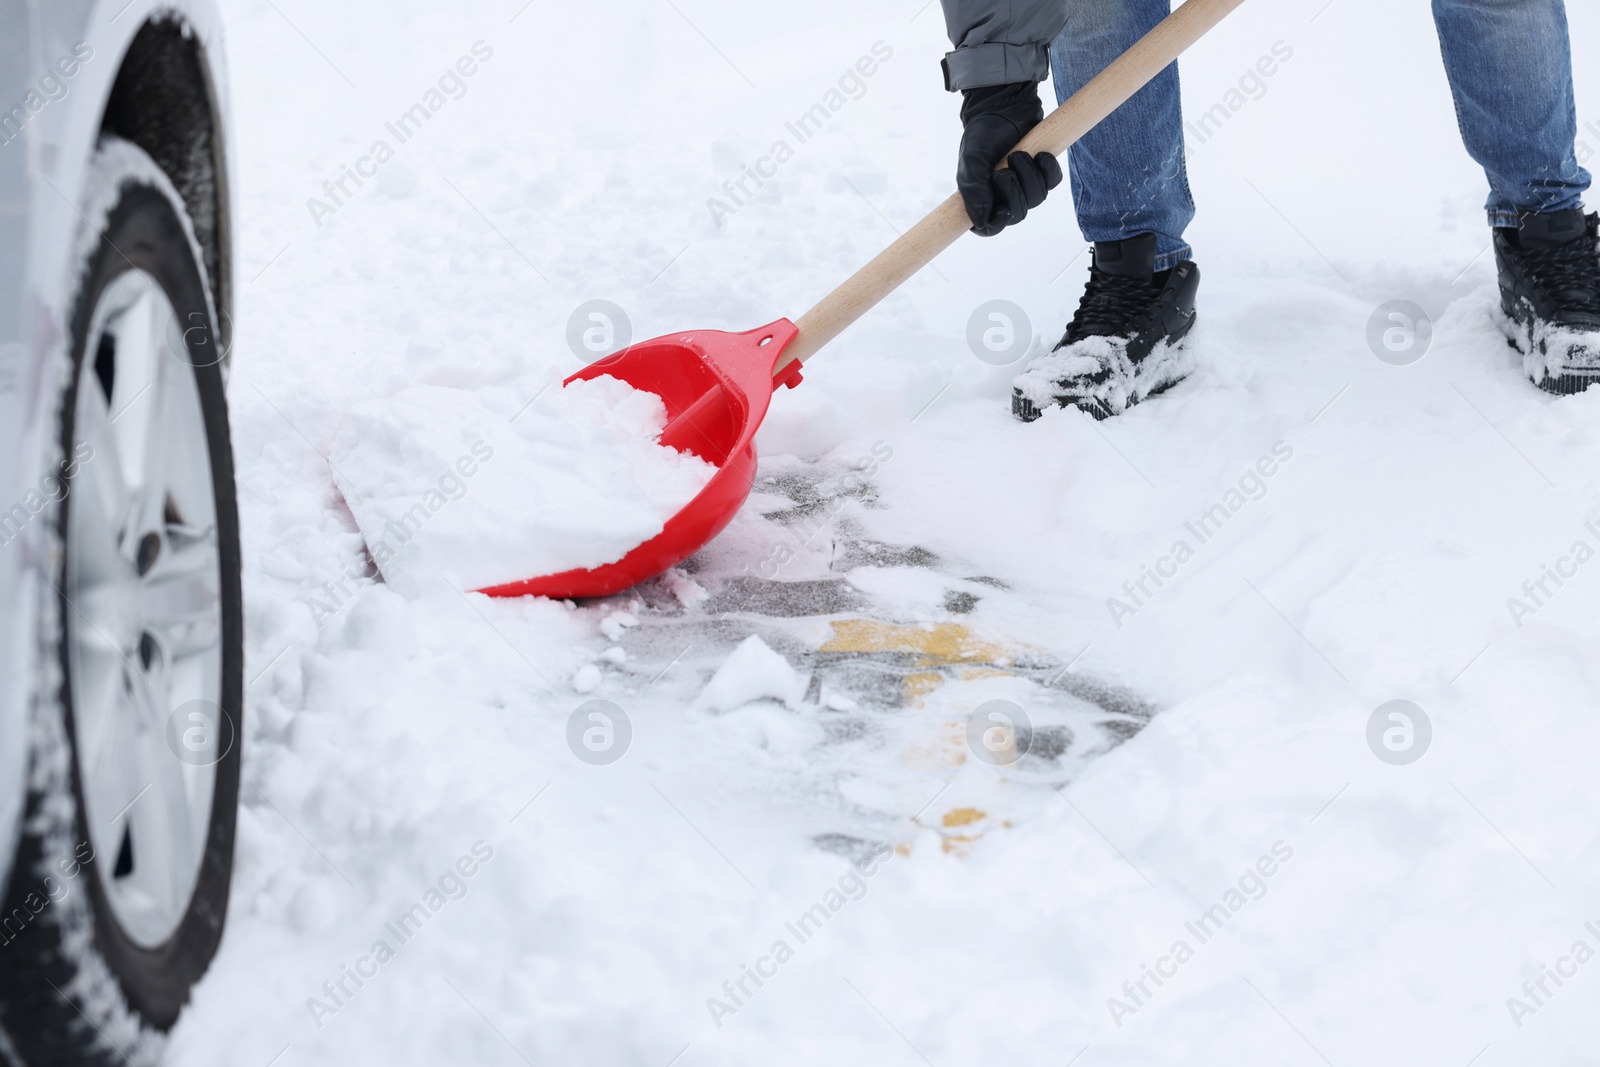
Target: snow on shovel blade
{"type": "Point", "coordinates": [716, 387]}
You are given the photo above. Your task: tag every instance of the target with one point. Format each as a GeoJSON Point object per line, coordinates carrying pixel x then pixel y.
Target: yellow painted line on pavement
{"type": "Point", "coordinates": [933, 647]}
{"type": "Point", "coordinates": [937, 644]}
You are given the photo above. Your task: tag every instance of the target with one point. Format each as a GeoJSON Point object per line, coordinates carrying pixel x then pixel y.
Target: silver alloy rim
{"type": "Point", "coordinates": [144, 614]}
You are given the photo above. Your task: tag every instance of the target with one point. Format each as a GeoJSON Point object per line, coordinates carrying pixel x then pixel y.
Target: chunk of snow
{"type": "Point", "coordinates": [613, 625]}
{"type": "Point", "coordinates": [751, 672]}
{"type": "Point", "coordinates": [586, 679]}
{"type": "Point", "coordinates": [685, 589]}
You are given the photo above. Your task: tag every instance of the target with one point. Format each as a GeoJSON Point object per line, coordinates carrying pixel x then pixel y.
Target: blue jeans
{"type": "Point", "coordinates": [1510, 69]}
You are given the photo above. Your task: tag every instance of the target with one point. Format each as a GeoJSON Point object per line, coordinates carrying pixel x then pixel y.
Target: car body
{"type": "Point", "coordinates": [42, 170]}
{"type": "Point", "coordinates": [151, 73]}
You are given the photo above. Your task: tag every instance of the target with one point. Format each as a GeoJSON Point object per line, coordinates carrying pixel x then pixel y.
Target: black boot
{"type": "Point", "coordinates": [1550, 293]}
{"type": "Point", "coordinates": [1125, 342]}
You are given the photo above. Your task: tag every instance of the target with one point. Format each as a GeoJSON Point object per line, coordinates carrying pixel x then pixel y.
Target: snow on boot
{"type": "Point", "coordinates": [1124, 343]}
{"type": "Point", "coordinates": [1550, 293]}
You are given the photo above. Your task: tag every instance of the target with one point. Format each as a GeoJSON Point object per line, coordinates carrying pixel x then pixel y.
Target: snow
{"type": "Point", "coordinates": [477, 486]}
{"type": "Point", "coordinates": [587, 679]}
{"type": "Point", "coordinates": [914, 554]}
{"type": "Point", "coordinates": [751, 672]}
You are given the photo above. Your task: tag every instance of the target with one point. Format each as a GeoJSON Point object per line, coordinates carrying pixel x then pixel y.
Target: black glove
{"type": "Point", "coordinates": [995, 118]}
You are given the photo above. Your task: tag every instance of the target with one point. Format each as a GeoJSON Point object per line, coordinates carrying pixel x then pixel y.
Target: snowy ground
{"type": "Point", "coordinates": [1178, 753]}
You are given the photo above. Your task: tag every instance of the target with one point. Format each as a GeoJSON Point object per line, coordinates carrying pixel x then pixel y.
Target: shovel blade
{"type": "Point", "coordinates": [716, 387]}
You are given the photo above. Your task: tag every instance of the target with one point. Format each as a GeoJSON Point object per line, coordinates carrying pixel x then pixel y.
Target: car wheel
{"type": "Point", "coordinates": [120, 882]}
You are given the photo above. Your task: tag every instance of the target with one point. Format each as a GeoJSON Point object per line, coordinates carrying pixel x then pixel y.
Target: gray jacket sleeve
{"type": "Point", "coordinates": [1000, 41]}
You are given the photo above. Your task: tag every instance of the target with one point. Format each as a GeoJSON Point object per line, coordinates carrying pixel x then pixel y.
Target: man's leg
{"type": "Point", "coordinates": [1126, 341]}
{"type": "Point", "coordinates": [1128, 174]}
{"type": "Point", "coordinates": [1510, 68]}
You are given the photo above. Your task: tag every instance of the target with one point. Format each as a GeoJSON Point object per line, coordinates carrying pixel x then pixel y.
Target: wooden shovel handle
{"type": "Point", "coordinates": [1060, 129]}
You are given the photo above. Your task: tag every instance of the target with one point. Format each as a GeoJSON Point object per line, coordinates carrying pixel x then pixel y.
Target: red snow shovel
{"type": "Point", "coordinates": [716, 385]}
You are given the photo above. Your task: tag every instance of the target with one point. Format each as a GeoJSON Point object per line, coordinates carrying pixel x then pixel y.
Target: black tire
{"type": "Point", "coordinates": [75, 989]}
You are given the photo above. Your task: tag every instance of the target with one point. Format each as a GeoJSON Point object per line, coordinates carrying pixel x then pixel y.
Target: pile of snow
{"type": "Point", "coordinates": [477, 488]}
